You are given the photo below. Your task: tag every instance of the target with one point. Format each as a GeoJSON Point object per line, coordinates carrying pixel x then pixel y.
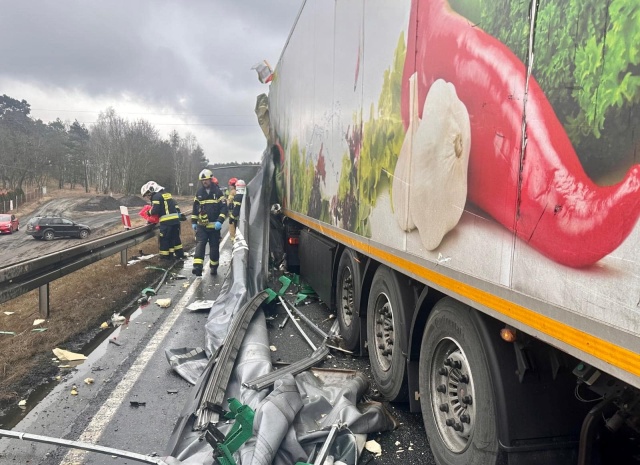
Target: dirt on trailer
{"type": "Point", "coordinates": [79, 304]}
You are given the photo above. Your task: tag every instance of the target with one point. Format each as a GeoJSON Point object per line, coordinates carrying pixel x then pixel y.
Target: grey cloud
{"type": "Point", "coordinates": [160, 51]}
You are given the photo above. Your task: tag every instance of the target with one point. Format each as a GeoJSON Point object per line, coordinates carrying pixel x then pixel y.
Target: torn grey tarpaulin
{"type": "Point", "coordinates": [323, 404]}
{"type": "Point", "coordinates": [188, 363]}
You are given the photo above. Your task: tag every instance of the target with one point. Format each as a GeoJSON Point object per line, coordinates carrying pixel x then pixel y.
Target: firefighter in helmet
{"type": "Point", "coordinates": [231, 193]}
{"type": "Point", "coordinates": [166, 208]}
{"type": "Point", "coordinates": [209, 212]}
{"type": "Point", "coordinates": [235, 203]}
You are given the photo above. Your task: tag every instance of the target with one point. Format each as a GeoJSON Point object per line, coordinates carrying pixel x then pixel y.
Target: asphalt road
{"type": "Point", "coordinates": [136, 370]}
{"type": "Point", "coordinates": [20, 246]}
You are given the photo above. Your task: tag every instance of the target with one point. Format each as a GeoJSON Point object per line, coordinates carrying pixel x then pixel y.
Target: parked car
{"type": "Point", "coordinates": [48, 227]}
{"type": "Point", "coordinates": [9, 223]}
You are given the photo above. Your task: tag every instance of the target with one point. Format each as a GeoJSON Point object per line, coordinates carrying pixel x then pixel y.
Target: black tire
{"type": "Point", "coordinates": [48, 235]}
{"type": "Point", "coordinates": [386, 333]}
{"type": "Point", "coordinates": [348, 288]}
{"type": "Point", "coordinates": [453, 364]}
{"type": "Point", "coordinates": [83, 234]}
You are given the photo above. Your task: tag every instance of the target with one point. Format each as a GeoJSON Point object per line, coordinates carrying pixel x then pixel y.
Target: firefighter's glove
{"type": "Point", "coordinates": [194, 226]}
{"type": "Point", "coordinates": [218, 225]}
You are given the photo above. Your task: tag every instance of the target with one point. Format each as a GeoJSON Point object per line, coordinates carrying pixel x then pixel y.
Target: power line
{"type": "Point", "coordinates": [185, 124]}
{"type": "Point", "coordinates": [148, 113]}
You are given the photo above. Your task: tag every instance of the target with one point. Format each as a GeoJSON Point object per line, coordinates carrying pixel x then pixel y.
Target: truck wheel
{"type": "Point", "coordinates": [386, 334]}
{"type": "Point", "coordinates": [456, 394]}
{"type": "Point", "coordinates": [347, 288]}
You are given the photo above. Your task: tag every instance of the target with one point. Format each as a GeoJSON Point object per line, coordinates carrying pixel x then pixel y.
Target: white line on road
{"type": "Point", "coordinates": [95, 428]}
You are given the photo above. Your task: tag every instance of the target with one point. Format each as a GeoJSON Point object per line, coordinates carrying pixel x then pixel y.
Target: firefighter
{"type": "Point", "coordinates": [165, 207]}
{"type": "Point", "coordinates": [209, 212]}
{"type": "Point", "coordinates": [235, 203]}
{"type": "Point", "coordinates": [231, 193]}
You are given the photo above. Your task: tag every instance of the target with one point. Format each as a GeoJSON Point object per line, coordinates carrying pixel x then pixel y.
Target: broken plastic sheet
{"type": "Point", "coordinates": [297, 414]}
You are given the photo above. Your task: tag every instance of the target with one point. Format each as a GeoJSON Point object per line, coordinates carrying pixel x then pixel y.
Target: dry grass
{"type": "Point", "coordinates": [78, 303]}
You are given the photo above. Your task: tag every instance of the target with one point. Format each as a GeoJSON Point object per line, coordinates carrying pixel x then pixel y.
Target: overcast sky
{"type": "Point", "coordinates": [179, 64]}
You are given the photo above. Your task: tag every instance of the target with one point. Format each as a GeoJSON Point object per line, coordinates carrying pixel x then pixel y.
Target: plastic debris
{"type": "Point", "coordinates": [10, 333]}
{"type": "Point", "coordinates": [373, 447]}
{"type": "Point", "coordinates": [104, 325]}
{"type": "Point", "coordinates": [273, 348]}
{"type": "Point", "coordinates": [117, 319]}
{"type": "Point", "coordinates": [39, 330]}
{"type": "Point", "coordinates": [66, 356]}
{"type": "Point", "coordinates": [148, 291]}
{"type": "Point", "coordinates": [88, 381]}
{"type": "Point", "coordinates": [164, 303]}
{"type": "Point", "coordinates": [201, 305]}
{"type": "Point", "coordinates": [9, 313]}
{"type": "Point", "coordinates": [135, 403]}
{"type": "Point", "coordinates": [38, 322]}
{"type": "Point", "coordinates": [74, 390]}
{"type": "Point", "coordinates": [22, 403]}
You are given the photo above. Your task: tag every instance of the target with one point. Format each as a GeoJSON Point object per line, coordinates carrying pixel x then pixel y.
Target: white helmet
{"type": "Point", "coordinates": [150, 188]}
{"type": "Point", "coordinates": [241, 187]}
{"type": "Point", "coordinates": [205, 174]}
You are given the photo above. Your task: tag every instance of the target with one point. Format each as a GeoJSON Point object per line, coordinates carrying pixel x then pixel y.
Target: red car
{"type": "Point", "coordinates": [9, 223]}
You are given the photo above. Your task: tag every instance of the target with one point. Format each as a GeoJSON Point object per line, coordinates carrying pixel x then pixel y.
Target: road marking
{"type": "Point", "coordinates": [101, 419]}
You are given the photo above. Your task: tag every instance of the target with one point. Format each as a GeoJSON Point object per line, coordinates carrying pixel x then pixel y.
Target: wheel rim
{"type": "Point", "coordinates": [452, 395]}
{"type": "Point", "coordinates": [48, 235]}
{"type": "Point", "coordinates": [83, 234]}
{"type": "Point", "coordinates": [346, 296]}
{"type": "Point", "coordinates": [384, 331]}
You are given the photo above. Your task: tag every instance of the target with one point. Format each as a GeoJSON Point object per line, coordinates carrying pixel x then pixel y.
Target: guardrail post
{"type": "Point", "coordinates": [123, 257]}
{"type": "Point", "coordinates": [44, 300]}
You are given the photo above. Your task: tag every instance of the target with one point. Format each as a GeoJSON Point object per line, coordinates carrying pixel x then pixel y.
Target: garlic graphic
{"type": "Point", "coordinates": [439, 164]}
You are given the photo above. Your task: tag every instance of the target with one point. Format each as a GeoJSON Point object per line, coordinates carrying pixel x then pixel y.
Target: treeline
{"type": "Point", "coordinates": [114, 155]}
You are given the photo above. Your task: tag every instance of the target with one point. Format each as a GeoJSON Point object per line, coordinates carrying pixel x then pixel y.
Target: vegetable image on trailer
{"type": "Point", "coordinates": [463, 181]}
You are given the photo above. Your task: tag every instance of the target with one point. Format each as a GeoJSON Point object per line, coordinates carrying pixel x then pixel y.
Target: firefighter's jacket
{"type": "Point", "coordinates": [209, 207]}
{"type": "Point", "coordinates": [163, 205]}
{"type": "Point", "coordinates": [234, 206]}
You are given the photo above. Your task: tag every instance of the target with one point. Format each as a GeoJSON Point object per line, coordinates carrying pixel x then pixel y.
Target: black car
{"type": "Point", "coordinates": [48, 227]}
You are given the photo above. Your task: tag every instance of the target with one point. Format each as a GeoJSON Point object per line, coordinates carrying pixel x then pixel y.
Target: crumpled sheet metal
{"type": "Point", "coordinates": [296, 416]}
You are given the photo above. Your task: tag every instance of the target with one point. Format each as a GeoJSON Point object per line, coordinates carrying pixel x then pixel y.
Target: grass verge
{"type": "Point", "coordinates": [78, 304]}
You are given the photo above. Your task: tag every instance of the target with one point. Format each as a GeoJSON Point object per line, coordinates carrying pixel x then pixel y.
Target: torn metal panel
{"type": "Point", "coordinates": [295, 368]}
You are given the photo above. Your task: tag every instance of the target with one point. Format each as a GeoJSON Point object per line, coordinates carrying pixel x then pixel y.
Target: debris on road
{"type": "Point", "coordinates": [9, 333]}
{"type": "Point", "coordinates": [135, 403]}
{"type": "Point", "coordinates": [38, 322]}
{"type": "Point", "coordinates": [373, 447]}
{"type": "Point", "coordinates": [88, 381]}
{"type": "Point", "coordinates": [164, 303]}
{"type": "Point", "coordinates": [67, 356]}
{"type": "Point", "coordinates": [201, 305]}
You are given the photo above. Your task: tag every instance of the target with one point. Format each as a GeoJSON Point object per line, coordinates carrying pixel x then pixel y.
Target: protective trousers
{"type": "Point", "coordinates": [211, 236]}
{"type": "Point", "coordinates": [170, 242]}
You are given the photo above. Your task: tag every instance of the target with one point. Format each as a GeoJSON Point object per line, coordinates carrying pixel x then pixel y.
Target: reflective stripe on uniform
{"type": "Point", "coordinates": [198, 261]}
{"type": "Point", "coordinates": [170, 216]}
{"type": "Point", "coordinates": [212, 263]}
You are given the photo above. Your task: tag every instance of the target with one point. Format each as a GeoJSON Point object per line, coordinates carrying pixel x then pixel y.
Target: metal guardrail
{"type": "Point", "coordinates": [23, 277]}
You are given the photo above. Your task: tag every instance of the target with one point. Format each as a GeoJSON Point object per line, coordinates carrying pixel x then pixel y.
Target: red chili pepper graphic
{"type": "Point", "coordinates": [561, 212]}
